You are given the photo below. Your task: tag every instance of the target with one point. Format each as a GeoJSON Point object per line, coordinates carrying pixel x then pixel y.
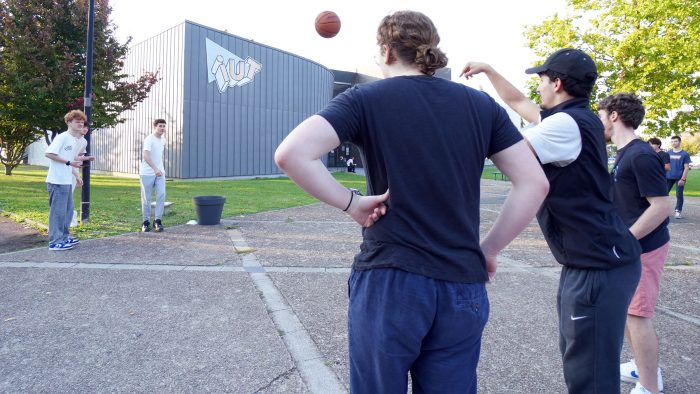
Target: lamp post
{"type": "Point", "coordinates": [87, 97]}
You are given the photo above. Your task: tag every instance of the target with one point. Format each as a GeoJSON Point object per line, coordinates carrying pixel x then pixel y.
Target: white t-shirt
{"type": "Point", "coordinates": [556, 139]}
{"type": "Point", "coordinates": [66, 147]}
{"type": "Point", "coordinates": [156, 146]}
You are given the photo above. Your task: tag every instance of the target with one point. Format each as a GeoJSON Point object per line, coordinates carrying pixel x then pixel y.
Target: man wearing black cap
{"type": "Point", "coordinates": [600, 256]}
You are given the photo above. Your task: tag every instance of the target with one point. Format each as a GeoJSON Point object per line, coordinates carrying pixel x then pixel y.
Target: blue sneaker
{"type": "Point", "coordinates": [61, 246]}
{"type": "Point", "coordinates": [73, 241]}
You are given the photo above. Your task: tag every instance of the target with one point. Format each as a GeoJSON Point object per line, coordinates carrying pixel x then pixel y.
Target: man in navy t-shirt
{"type": "Point", "coordinates": [677, 175]}
{"type": "Point", "coordinates": [418, 301]}
{"type": "Point", "coordinates": [640, 195]}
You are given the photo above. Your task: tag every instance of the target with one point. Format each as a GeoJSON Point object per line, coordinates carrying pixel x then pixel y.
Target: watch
{"type": "Point", "coordinates": [68, 163]}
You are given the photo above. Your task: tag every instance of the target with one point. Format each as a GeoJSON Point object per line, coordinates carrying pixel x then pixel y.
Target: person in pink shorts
{"type": "Point", "coordinates": [641, 197]}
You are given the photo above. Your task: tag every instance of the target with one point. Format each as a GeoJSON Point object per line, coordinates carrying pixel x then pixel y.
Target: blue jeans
{"type": "Point", "coordinates": [679, 192]}
{"type": "Point", "coordinates": [400, 322]}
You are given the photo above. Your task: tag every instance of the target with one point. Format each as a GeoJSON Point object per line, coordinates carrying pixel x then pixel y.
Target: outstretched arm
{"type": "Point", "coordinates": [508, 93]}
{"type": "Point", "coordinates": [530, 187]}
{"type": "Point", "coordinates": [298, 156]}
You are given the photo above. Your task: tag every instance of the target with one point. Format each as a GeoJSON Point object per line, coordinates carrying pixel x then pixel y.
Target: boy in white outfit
{"type": "Point", "coordinates": [152, 174]}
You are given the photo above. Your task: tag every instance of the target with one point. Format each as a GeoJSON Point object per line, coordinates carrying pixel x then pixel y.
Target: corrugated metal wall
{"type": "Point", "coordinates": [212, 133]}
{"type": "Point", "coordinates": [118, 149]}
{"type": "Point", "coordinates": [236, 132]}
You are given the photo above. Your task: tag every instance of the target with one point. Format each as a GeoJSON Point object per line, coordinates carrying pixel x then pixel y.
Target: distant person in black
{"type": "Point", "coordinates": [417, 294]}
{"type": "Point", "coordinates": [665, 158]}
{"type": "Point", "coordinates": [578, 219]}
{"type": "Point", "coordinates": [641, 196]}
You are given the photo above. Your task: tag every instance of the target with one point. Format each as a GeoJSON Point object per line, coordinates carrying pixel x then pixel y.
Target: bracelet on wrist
{"type": "Point", "coordinates": [352, 195]}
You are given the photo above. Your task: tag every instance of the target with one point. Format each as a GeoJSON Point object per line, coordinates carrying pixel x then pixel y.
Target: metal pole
{"type": "Point", "coordinates": [85, 195]}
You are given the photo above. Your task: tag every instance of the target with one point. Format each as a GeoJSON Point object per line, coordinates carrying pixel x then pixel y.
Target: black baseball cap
{"type": "Point", "coordinates": [571, 62]}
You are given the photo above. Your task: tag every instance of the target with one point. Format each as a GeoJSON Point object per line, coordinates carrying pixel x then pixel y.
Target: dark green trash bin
{"type": "Point", "coordinates": [209, 209]}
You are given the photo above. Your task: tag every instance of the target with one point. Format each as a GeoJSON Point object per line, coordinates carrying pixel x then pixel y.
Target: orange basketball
{"type": "Point", "coordinates": [327, 24]}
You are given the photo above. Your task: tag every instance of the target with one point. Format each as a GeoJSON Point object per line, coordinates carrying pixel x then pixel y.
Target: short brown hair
{"type": "Point", "coordinates": [158, 121]}
{"type": "Point", "coordinates": [413, 38]}
{"type": "Point", "coordinates": [628, 106]}
{"type": "Point", "coordinates": [73, 115]}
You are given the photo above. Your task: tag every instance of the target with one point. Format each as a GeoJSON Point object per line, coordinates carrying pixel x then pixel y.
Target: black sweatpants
{"type": "Point", "coordinates": [592, 307]}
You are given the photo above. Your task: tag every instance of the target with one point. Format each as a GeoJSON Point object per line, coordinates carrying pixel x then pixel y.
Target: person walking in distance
{"type": "Point", "coordinates": [640, 194]}
{"type": "Point", "coordinates": [152, 174]}
{"type": "Point", "coordinates": [665, 158]}
{"type": "Point", "coordinates": [678, 174]}
{"type": "Point", "coordinates": [417, 295]}
{"type": "Point", "coordinates": [584, 231]}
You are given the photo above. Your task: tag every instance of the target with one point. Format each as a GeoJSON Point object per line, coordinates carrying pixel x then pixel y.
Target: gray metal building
{"type": "Point", "coordinates": [228, 103]}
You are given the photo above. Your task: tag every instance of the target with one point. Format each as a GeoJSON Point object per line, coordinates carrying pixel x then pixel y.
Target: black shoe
{"type": "Point", "coordinates": [158, 226]}
{"type": "Point", "coordinates": [146, 227]}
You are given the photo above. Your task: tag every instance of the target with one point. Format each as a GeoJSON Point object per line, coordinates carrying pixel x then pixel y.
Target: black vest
{"type": "Point", "coordinates": [578, 218]}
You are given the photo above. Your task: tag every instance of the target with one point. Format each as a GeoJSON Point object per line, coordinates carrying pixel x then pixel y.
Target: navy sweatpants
{"type": "Point", "coordinates": [400, 322]}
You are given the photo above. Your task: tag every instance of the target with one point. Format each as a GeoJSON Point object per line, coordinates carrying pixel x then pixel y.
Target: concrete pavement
{"type": "Point", "coordinates": [196, 309]}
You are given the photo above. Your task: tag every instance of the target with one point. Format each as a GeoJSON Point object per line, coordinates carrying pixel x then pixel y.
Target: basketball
{"type": "Point", "coordinates": [327, 24]}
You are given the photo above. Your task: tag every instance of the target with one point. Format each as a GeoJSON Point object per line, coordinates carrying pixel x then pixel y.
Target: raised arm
{"type": "Point", "coordinates": [298, 156]}
{"type": "Point", "coordinates": [530, 187]}
{"type": "Point", "coordinates": [506, 90]}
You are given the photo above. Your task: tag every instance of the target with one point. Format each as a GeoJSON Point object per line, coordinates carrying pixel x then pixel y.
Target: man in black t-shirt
{"type": "Point", "coordinates": [640, 195]}
{"type": "Point", "coordinates": [665, 158]}
{"type": "Point", "coordinates": [417, 296]}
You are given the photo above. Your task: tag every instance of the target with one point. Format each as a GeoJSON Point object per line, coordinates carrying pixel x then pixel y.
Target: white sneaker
{"type": "Point", "coordinates": [628, 373]}
{"type": "Point", "coordinates": [639, 389]}
{"type": "Point", "coordinates": [678, 214]}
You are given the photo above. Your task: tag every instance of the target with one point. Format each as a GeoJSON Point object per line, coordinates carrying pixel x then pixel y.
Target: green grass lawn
{"type": "Point", "coordinates": [115, 205]}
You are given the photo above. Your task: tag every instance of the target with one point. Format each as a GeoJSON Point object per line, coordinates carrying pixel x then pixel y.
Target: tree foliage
{"type": "Point", "coordinates": [42, 70]}
{"type": "Point", "coordinates": [691, 144]}
{"type": "Point", "coordinates": [649, 47]}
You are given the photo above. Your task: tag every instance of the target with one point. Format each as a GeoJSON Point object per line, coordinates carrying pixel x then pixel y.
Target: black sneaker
{"type": "Point", "coordinates": [146, 227]}
{"type": "Point", "coordinates": [158, 226]}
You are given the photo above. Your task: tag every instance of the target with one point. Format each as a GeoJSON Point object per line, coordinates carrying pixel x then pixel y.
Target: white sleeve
{"type": "Point", "coordinates": [56, 145]}
{"type": "Point", "coordinates": [147, 144]}
{"type": "Point", "coordinates": [556, 140]}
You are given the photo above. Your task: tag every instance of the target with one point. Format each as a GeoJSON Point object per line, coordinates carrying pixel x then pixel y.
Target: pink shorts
{"type": "Point", "coordinates": [647, 294]}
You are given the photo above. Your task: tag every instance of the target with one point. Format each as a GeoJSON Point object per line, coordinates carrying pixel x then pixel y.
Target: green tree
{"type": "Point", "coordinates": [691, 144]}
{"type": "Point", "coordinates": [42, 71]}
{"type": "Point", "coordinates": [649, 47]}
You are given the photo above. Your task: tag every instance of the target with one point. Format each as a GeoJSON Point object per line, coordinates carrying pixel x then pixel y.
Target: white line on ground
{"type": "Point", "coordinates": [318, 377]}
